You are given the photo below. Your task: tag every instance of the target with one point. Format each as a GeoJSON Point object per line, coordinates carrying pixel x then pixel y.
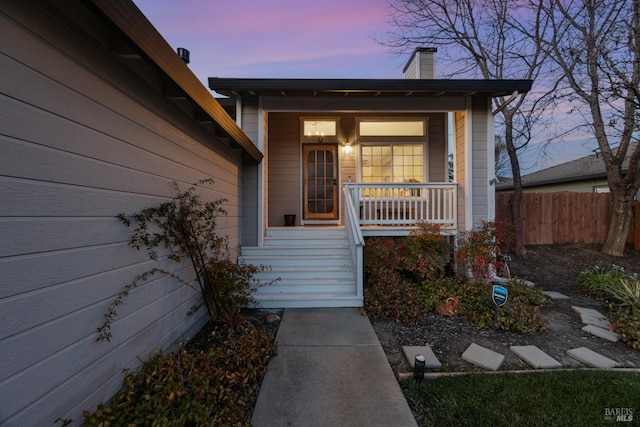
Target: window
{"type": "Point", "coordinates": [393, 163]}
{"type": "Point", "coordinates": [319, 129]}
{"type": "Point", "coordinates": [392, 128]}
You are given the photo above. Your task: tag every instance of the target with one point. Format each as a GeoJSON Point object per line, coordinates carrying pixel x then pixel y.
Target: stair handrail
{"type": "Point", "coordinates": [355, 238]}
{"type": "Point", "coordinates": [352, 222]}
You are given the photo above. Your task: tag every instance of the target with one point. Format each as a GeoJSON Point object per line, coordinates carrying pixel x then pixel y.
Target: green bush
{"type": "Point", "coordinates": [626, 322]}
{"type": "Point", "coordinates": [394, 266]}
{"type": "Point", "coordinates": [215, 386]}
{"type": "Point", "coordinates": [612, 282]}
{"type": "Point", "coordinates": [405, 280]}
{"type": "Point", "coordinates": [621, 290]}
{"type": "Point", "coordinates": [391, 297]}
{"type": "Point", "coordinates": [520, 314]}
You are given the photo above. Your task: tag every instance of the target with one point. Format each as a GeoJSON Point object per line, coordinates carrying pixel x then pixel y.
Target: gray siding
{"type": "Point", "coordinates": [283, 165]}
{"type": "Point", "coordinates": [460, 174]}
{"type": "Point", "coordinates": [82, 140]}
{"type": "Point", "coordinates": [250, 196]}
{"type": "Point", "coordinates": [480, 182]}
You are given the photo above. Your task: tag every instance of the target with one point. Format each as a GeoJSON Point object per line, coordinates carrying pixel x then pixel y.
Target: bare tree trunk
{"type": "Point", "coordinates": [621, 214]}
{"type": "Point", "coordinates": [516, 200]}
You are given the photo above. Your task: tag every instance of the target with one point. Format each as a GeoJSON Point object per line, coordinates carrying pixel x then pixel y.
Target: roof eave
{"type": "Point", "coordinates": [124, 15]}
{"type": "Point", "coordinates": [234, 87]}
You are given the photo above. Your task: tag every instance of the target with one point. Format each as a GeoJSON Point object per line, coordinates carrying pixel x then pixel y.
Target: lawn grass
{"type": "Point", "coordinates": [563, 398]}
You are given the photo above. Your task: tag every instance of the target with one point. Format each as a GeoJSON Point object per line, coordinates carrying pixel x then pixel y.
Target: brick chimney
{"type": "Point", "coordinates": [421, 64]}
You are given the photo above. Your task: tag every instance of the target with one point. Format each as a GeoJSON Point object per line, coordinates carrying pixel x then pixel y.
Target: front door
{"type": "Point", "coordinates": [320, 184]}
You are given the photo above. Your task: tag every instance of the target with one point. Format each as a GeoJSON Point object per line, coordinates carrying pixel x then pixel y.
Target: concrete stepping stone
{"type": "Point", "coordinates": [602, 333]}
{"type": "Point", "coordinates": [595, 321]}
{"type": "Point", "coordinates": [410, 352]}
{"type": "Point", "coordinates": [555, 295]}
{"type": "Point", "coordinates": [483, 357]}
{"type": "Point", "coordinates": [590, 312]}
{"type": "Point", "coordinates": [535, 357]}
{"type": "Point", "coordinates": [591, 358]}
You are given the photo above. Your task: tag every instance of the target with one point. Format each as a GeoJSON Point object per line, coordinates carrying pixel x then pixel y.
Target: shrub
{"type": "Point", "coordinates": [404, 283]}
{"type": "Point", "coordinates": [395, 266]}
{"type": "Point", "coordinates": [612, 283]}
{"type": "Point", "coordinates": [215, 386]}
{"type": "Point", "coordinates": [186, 226]}
{"type": "Point", "coordinates": [520, 314]}
{"type": "Point", "coordinates": [477, 248]}
{"type": "Point", "coordinates": [626, 322]}
{"type": "Point", "coordinates": [622, 292]}
{"type": "Point", "coordinates": [391, 297]}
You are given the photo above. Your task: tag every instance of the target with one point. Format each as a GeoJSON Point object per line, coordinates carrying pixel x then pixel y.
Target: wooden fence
{"type": "Point", "coordinates": [565, 217]}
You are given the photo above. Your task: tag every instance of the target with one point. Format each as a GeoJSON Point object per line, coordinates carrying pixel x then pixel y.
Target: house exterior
{"type": "Point", "coordinates": [351, 158]}
{"type": "Point", "coordinates": [98, 116]}
{"type": "Point", "coordinates": [584, 175]}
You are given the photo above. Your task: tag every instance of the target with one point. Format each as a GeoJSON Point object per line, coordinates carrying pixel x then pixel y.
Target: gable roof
{"type": "Point", "coordinates": [149, 43]}
{"type": "Point", "coordinates": [588, 167]}
{"type": "Point", "coordinates": [234, 87]}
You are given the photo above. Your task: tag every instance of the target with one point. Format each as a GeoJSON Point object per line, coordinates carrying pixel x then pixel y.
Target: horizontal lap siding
{"type": "Point", "coordinates": [479, 161]}
{"type": "Point", "coordinates": [283, 149]}
{"type": "Point", "coordinates": [81, 140]}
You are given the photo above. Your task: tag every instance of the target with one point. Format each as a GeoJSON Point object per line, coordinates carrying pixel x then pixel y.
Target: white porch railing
{"type": "Point", "coordinates": [404, 204]}
{"type": "Point", "coordinates": [356, 242]}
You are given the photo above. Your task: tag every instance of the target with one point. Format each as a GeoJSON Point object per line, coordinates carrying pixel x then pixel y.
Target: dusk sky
{"type": "Point", "coordinates": [298, 39]}
{"type": "Point", "coordinates": [279, 38]}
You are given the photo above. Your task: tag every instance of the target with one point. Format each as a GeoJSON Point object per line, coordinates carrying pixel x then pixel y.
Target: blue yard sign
{"type": "Point", "coordinates": [499, 295]}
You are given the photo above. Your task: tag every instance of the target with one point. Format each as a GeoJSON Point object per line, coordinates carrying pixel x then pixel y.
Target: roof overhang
{"type": "Point", "coordinates": [183, 84]}
{"type": "Point", "coordinates": [240, 87]}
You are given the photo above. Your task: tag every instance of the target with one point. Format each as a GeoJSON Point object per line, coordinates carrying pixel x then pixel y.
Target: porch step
{"type": "Point", "coordinates": [313, 267]}
{"type": "Point", "coordinates": [310, 300]}
{"type": "Point", "coordinates": [308, 273]}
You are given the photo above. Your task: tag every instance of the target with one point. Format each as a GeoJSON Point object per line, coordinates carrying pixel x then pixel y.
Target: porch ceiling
{"type": "Point", "coordinates": [234, 87]}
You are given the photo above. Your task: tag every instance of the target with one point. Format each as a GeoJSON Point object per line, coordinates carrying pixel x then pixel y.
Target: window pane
{"type": "Point", "coordinates": [397, 163]}
{"type": "Point", "coordinates": [319, 127]}
{"type": "Point", "coordinates": [390, 128]}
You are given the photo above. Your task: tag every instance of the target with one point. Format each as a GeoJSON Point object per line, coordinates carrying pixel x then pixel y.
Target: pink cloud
{"type": "Point", "coordinates": [244, 37]}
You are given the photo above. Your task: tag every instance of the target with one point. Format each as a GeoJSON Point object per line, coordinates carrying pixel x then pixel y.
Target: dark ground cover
{"type": "Point", "coordinates": [551, 268]}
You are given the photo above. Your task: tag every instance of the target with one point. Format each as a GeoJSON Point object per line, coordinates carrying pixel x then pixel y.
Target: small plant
{"type": "Point", "coordinates": [186, 227]}
{"type": "Point", "coordinates": [477, 248]}
{"type": "Point", "coordinates": [621, 290]}
{"type": "Point", "coordinates": [613, 283]}
{"type": "Point", "coordinates": [626, 322]}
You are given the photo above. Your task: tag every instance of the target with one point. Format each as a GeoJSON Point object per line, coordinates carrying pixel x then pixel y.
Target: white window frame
{"type": "Point", "coordinates": [393, 140]}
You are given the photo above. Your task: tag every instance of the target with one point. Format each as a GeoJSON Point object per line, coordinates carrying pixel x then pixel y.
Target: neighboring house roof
{"type": "Point", "coordinates": [181, 82]}
{"type": "Point", "coordinates": [234, 87]}
{"type": "Point", "coordinates": [588, 167]}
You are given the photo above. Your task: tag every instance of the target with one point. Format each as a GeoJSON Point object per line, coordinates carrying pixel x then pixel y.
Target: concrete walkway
{"type": "Point", "coordinates": [330, 371]}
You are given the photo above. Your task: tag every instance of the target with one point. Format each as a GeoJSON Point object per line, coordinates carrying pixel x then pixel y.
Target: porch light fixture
{"type": "Point", "coordinates": [347, 146]}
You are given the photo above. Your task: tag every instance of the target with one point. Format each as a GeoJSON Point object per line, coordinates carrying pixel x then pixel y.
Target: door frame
{"type": "Point", "coordinates": [335, 217]}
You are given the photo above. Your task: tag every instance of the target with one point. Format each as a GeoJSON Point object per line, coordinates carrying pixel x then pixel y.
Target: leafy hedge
{"type": "Point", "coordinates": [193, 387]}
{"type": "Point", "coordinates": [405, 279]}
